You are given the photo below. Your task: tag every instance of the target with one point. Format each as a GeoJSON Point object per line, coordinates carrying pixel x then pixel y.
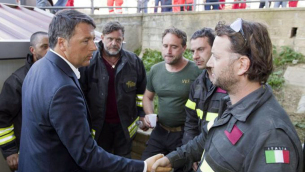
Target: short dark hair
{"type": "Point", "coordinates": [205, 32]}
{"type": "Point", "coordinates": [112, 26]}
{"type": "Point", "coordinates": [34, 37]}
{"type": "Point", "coordinates": [63, 24]}
{"type": "Point", "coordinates": [179, 33]}
{"type": "Point", "coordinates": [256, 46]}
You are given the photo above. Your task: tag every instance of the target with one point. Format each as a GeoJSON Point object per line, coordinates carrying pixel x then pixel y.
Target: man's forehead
{"type": "Point", "coordinates": [42, 39]}
{"type": "Point", "coordinates": [171, 39]}
{"type": "Point", "coordinates": [114, 33]}
{"type": "Point", "coordinates": [199, 42]}
{"type": "Point", "coordinates": [221, 43]}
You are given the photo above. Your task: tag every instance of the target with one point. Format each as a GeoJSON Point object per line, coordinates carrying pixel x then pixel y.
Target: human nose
{"type": "Point", "coordinates": [211, 61]}
{"type": "Point", "coordinates": [195, 55]}
{"type": "Point", "coordinates": [93, 46]}
{"type": "Point", "coordinates": [113, 42]}
{"type": "Point", "coordinates": [169, 50]}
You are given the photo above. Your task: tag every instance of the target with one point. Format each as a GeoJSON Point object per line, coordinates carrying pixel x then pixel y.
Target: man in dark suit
{"type": "Point", "coordinates": [56, 122]}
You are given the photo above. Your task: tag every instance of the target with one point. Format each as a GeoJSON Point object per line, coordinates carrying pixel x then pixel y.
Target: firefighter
{"type": "Point", "coordinates": [10, 101]}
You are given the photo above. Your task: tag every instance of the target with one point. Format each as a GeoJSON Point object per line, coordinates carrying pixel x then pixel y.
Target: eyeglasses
{"type": "Point", "coordinates": [237, 26]}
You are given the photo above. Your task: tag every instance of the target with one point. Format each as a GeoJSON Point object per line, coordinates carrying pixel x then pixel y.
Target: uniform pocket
{"type": "Point", "coordinates": [130, 84]}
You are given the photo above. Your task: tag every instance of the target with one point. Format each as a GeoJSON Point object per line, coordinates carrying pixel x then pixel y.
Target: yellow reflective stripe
{"type": "Point", "coordinates": [93, 132]}
{"type": "Point", "coordinates": [139, 103]}
{"type": "Point", "coordinates": [199, 113]}
{"type": "Point", "coordinates": [133, 128]}
{"type": "Point", "coordinates": [202, 154]}
{"type": "Point", "coordinates": [211, 116]}
{"type": "Point", "coordinates": [4, 131]}
{"type": "Point", "coordinates": [210, 124]}
{"type": "Point", "coordinates": [205, 167]}
{"type": "Point", "coordinates": [7, 138]}
{"type": "Point", "coordinates": [190, 104]}
{"type": "Point", "coordinates": [139, 96]}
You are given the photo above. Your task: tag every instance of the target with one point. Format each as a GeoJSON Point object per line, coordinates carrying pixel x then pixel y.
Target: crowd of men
{"type": "Point", "coordinates": [79, 103]}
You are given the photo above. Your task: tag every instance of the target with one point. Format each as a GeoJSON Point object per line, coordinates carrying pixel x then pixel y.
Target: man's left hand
{"type": "Point", "coordinates": [12, 161]}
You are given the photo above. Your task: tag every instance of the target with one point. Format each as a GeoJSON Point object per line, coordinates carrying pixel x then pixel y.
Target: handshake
{"type": "Point", "coordinates": [158, 163]}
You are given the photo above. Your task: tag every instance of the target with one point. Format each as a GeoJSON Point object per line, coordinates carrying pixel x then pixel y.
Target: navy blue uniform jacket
{"type": "Point", "coordinates": [56, 124]}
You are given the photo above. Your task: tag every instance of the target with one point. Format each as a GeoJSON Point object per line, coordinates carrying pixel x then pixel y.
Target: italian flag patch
{"type": "Point", "coordinates": [277, 154]}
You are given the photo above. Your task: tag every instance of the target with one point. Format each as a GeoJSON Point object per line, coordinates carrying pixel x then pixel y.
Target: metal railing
{"type": "Point", "coordinates": [194, 5]}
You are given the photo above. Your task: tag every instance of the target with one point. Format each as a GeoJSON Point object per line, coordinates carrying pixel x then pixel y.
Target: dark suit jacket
{"type": "Point", "coordinates": [56, 124]}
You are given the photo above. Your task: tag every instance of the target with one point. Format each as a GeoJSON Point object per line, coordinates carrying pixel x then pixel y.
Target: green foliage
{"type": "Point", "coordinates": [151, 57]}
{"type": "Point", "coordinates": [280, 60]}
{"type": "Point", "coordinates": [276, 79]}
{"type": "Point", "coordinates": [138, 51]}
{"type": "Point", "coordinates": [287, 56]}
{"type": "Point", "coordinates": [188, 54]}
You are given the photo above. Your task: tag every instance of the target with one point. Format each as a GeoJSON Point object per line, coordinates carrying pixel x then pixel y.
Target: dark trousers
{"type": "Point", "coordinates": [262, 4]}
{"type": "Point", "coordinates": [113, 140]}
{"type": "Point", "coordinates": [162, 141]}
{"type": "Point", "coordinates": [208, 7]}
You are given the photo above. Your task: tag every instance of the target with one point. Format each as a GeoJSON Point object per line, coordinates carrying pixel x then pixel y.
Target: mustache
{"type": "Point", "coordinates": [114, 47]}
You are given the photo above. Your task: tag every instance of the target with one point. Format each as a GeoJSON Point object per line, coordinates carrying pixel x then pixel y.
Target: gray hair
{"type": "Point", "coordinates": [112, 26]}
{"type": "Point", "coordinates": [63, 24]}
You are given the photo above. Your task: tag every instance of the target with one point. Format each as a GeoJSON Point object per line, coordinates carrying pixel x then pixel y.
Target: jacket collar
{"type": "Point", "coordinates": [29, 61]}
{"type": "Point", "coordinates": [60, 63]}
{"type": "Point", "coordinates": [208, 82]}
{"type": "Point", "coordinates": [243, 108]}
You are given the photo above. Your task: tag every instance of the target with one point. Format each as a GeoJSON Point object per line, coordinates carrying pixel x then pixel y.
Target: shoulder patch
{"type": "Point", "coordinates": [277, 154]}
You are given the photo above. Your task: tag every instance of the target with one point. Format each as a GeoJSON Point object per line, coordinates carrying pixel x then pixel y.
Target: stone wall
{"type": "Point", "coordinates": [132, 24]}
{"type": "Point", "coordinates": [146, 29]}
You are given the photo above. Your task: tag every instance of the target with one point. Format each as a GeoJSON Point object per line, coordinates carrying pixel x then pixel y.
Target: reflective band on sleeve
{"type": "Point", "coordinates": [205, 167]}
{"type": "Point", "coordinates": [7, 138]}
{"type": "Point", "coordinates": [211, 116]}
{"type": "Point", "coordinates": [140, 97]}
{"type": "Point", "coordinates": [133, 128]}
{"type": "Point", "coordinates": [4, 131]}
{"type": "Point", "coordinates": [202, 154]}
{"type": "Point", "coordinates": [199, 113]}
{"type": "Point", "coordinates": [93, 133]}
{"type": "Point", "coordinates": [190, 104]}
{"type": "Point", "coordinates": [139, 103]}
{"type": "Point", "coordinates": [210, 124]}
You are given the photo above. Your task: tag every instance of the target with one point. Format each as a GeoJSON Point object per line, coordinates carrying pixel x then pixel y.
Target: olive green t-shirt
{"type": "Point", "coordinates": [172, 89]}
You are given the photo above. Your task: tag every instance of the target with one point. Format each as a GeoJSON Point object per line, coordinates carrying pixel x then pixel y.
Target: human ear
{"type": "Point", "coordinates": [244, 65]}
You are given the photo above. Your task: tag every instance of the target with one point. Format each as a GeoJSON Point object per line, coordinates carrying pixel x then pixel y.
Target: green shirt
{"type": "Point", "coordinates": [172, 89]}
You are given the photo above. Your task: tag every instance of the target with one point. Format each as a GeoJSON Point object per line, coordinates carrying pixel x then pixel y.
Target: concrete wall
{"type": "Point", "coordinates": [7, 67]}
{"type": "Point", "coordinates": [279, 21]}
{"type": "Point", "coordinates": [132, 24]}
{"type": "Point", "coordinates": [146, 29]}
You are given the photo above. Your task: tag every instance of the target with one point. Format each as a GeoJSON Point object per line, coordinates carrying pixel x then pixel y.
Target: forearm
{"type": "Point", "coordinates": [148, 105]}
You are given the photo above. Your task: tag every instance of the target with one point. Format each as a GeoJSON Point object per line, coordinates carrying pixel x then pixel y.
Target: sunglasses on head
{"type": "Point", "coordinates": [237, 26]}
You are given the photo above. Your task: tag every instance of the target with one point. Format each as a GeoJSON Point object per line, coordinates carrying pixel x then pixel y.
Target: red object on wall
{"type": "Point", "coordinates": [118, 3]}
{"type": "Point", "coordinates": [70, 3]}
{"type": "Point", "coordinates": [293, 3]}
{"type": "Point", "coordinates": [182, 2]}
{"type": "Point", "coordinates": [222, 6]}
{"type": "Point", "coordinates": [239, 5]}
